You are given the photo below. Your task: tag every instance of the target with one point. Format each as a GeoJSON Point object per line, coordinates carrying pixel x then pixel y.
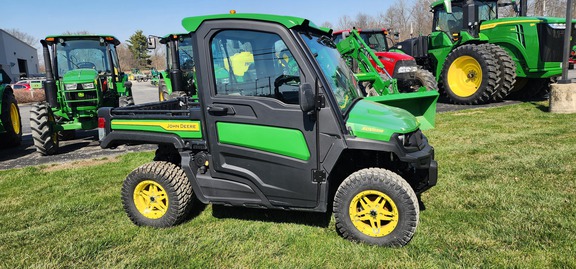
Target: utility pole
{"type": "Point", "coordinates": [566, 47]}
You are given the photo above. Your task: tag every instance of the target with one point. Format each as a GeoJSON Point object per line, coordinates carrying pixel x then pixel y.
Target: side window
{"type": "Point", "coordinates": [257, 64]}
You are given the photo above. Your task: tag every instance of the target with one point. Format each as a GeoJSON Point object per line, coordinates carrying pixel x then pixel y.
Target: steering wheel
{"type": "Point", "coordinates": [279, 81]}
{"type": "Point", "coordinates": [86, 65]}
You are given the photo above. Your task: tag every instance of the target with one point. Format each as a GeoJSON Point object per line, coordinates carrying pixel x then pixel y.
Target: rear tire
{"type": "Point", "coordinates": [157, 194]}
{"type": "Point", "coordinates": [507, 72]}
{"type": "Point", "coordinates": [470, 75]}
{"type": "Point", "coordinates": [11, 120]}
{"type": "Point", "coordinates": [177, 94]}
{"type": "Point", "coordinates": [162, 91]}
{"type": "Point", "coordinates": [377, 207]}
{"type": "Point", "coordinates": [42, 124]}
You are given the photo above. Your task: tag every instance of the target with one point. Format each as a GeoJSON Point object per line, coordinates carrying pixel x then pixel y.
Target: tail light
{"type": "Point", "coordinates": [101, 128]}
{"type": "Point", "coordinates": [105, 86]}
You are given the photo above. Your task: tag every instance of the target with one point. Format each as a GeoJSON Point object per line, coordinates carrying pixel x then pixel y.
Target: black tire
{"type": "Point", "coordinates": [373, 184]}
{"type": "Point", "coordinates": [530, 89]}
{"type": "Point", "coordinates": [42, 124]}
{"type": "Point", "coordinates": [479, 91]}
{"type": "Point", "coordinates": [154, 185]}
{"type": "Point", "coordinates": [507, 72]}
{"type": "Point", "coordinates": [162, 91]}
{"type": "Point", "coordinates": [11, 121]}
{"type": "Point", "coordinates": [177, 94]}
{"type": "Point", "coordinates": [125, 101]}
{"type": "Point", "coordinates": [422, 77]}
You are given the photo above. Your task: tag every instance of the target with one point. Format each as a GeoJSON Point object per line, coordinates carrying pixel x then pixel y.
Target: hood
{"type": "Point", "coordinates": [80, 76]}
{"type": "Point", "coordinates": [376, 121]}
{"type": "Point", "coordinates": [395, 56]}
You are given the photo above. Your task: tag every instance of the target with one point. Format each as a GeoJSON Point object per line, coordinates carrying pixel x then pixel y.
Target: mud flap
{"type": "Point", "coordinates": [420, 104]}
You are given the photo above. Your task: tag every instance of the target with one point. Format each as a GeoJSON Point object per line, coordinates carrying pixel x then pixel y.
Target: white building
{"type": "Point", "coordinates": [17, 57]}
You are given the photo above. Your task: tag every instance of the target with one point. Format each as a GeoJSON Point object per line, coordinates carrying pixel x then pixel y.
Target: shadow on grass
{"type": "Point", "coordinates": [542, 108]}
{"type": "Point", "coordinates": [271, 215]}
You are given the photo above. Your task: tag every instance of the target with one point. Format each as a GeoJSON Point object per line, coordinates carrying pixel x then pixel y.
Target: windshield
{"type": "Point", "coordinates": [449, 23]}
{"type": "Point", "coordinates": [342, 81]}
{"type": "Point", "coordinates": [81, 54]}
{"type": "Point", "coordinates": [487, 11]}
{"type": "Point", "coordinates": [185, 53]}
{"type": "Point", "coordinates": [376, 41]}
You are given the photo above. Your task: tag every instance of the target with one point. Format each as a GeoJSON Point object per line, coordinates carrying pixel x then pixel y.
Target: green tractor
{"type": "Point", "coordinates": [10, 123]}
{"type": "Point", "coordinates": [178, 78]}
{"type": "Point", "coordinates": [82, 75]}
{"type": "Point", "coordinates": [479, 58]}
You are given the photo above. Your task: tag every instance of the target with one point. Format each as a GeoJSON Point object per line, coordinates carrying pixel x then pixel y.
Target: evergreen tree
{"type": "Point", "coordinates": [138, 46]}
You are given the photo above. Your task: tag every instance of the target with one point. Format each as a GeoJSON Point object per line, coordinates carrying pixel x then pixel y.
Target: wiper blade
{"type": "Point", "coordinates": [326, 41]}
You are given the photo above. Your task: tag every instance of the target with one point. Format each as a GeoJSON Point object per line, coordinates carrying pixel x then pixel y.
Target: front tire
{"type": "Point", "coordinates": [470, 75]}
{"type": "Point", "coordinates": [422, 78]}
{"type": "Point", "coordinates": [377, 207]}
{"type": "Point", "coordinates": [11, 121]}
{"type": "Point", "coordinates": [42, 124]}
{"type": "Point", "coordinates": [162, 91]}
{"type": "Point", "coordinates": [157, 194]}
{"type": "Point", "coordinates": [125, 101]}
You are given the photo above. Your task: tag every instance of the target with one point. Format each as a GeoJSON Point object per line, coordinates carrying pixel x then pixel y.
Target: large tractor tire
{"type": "Point", "coordinates": [125, 101]}
{"type": "Point", "coordinates": [11, 121]}
{"type": "Point", "coordinates": [42, 124]}
{"type": "Point", "coordinates": [377, 207]}
{"type": "Point", "coordinates": [157, 194]}
{"type": "Point", "coordinates": [422, 78]}
{"type": "Point", "coordinates": [470, 75]}
{"type": "Point", "coordinates": [507, 72]}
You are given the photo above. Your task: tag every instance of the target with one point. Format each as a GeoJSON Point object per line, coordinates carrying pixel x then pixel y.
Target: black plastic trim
{"type": "Point", "coordinates": [116, 138]}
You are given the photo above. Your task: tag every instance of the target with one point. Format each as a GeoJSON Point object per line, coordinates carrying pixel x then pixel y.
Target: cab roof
{"type": "Point", "coordinates": [109, 38]}
{"type": "Point", "coordinates": [191, 24]}
{"type": "Point", "coordinates": [165, 38]}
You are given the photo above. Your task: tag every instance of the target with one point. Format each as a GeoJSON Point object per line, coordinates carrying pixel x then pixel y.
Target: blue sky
{"type": "Point", "coordinates": [40, 18]}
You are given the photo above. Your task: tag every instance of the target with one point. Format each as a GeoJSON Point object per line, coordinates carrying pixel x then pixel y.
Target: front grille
{"type": "Point", "coordinates": [550, 41]}
{"type": "Point", "coordinates": [81, 97]}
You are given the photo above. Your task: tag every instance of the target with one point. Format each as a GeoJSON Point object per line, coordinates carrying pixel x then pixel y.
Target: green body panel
{"type": "Point", "coordinates": [191, 24]}
{"type": "Point", "coordinates": [371, 120]}
{"type": "Point", "coordinates": [183, 128]}
{"type": "Point", "coordinates": [80, 76]}
{"type": "Point", "coordinates": [282, 141]}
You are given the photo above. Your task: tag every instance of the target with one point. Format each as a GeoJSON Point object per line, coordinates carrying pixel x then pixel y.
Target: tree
{"type": "Point", "coordinates": [138, 46]}
{"type": "Point", "coordinates": [26, 38]}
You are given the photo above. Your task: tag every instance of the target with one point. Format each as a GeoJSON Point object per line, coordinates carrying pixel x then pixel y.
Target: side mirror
{"type": "Point", "coordinates": [306, 97]}
{"type": "Point", "coordinates": [152, 41]}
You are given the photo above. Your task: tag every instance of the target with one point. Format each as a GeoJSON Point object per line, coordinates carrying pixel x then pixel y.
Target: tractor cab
{"type": "Point", "coordinates": [178, 78]}
{"type": "Point", "coordinates": [458, 16]}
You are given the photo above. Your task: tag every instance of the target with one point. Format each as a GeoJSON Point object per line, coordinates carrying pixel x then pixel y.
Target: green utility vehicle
{"type": "Point", "coordinates": [178, 79]}
{"type": "Point", "coordinates": [275, 130]}
{"type": "Point", "coordinates": [82, 75]}
{"type": "Point", "coordinates": [478, 57]}
{"type": "Point", "coordinates": [10, 122]}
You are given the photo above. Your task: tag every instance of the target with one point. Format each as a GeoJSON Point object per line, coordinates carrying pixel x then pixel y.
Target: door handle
{"type": "Point", "coordinates": [220, 110]}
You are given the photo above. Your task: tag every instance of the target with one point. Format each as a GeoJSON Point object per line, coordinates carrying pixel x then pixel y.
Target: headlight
{"type": "Point", "coordinates": [407, 69]}
{"type": "Point", "coordinates": [88, 85]}
{"type": "Point", "coordinates": [71, 86]}
{"type": "Point", "coordinates": [557, 26]}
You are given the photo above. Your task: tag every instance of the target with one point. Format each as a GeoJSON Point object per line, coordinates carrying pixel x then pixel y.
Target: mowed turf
{"type": "Point", "coordinates": [505, 197]}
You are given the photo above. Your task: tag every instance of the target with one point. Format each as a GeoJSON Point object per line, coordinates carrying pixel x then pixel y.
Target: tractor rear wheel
{"type": "Point", "coordinates": [10, 117]}
{"type": "Point", "coordinates": [162, 91]}
{"type": "Point", "coordinates": [125, 101]}
{"type": "Point", "coordinates": [377, 207]}
{"type": "Point", "coordinates": [177, 94]}
{"type": "Point", "coordinates": [157, 194]}
{"type": "Point", "coordinates": [42, 124]}
{"type": "Point", "coordinates": [470, 75]}
{"type": "Point", "coordinates": [507, 72]}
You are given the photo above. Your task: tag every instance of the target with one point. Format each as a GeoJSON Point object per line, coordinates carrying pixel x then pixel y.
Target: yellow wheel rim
{"type": "Point", "coordinates": [464, 76]}
{"type": "Point", "coordinates": [15, 118]}
{"type": "Point", "coordinates": [373, 213]}
{"type": "Point", "coordinates": [161, 96]}
{"type": "Point", "coordinates": [151, 199]}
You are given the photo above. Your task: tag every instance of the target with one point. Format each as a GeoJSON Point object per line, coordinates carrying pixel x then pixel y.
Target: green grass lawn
{"type": "Point", "coordinates": [505, 197]}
